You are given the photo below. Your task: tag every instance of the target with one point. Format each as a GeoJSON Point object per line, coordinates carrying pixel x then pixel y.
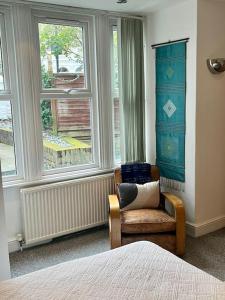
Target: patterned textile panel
{"type": "Point", "coordinates": [170, 110]}
{"type": "Point", "coordinates": [136, 173]}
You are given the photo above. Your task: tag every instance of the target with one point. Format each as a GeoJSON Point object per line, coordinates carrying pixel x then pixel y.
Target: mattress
{"type": "Point", "coordinates": [140, 270]}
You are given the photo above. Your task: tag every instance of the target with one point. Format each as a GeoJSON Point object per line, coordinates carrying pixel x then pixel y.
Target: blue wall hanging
{"type": "Point", "coordinates": [170, 110]}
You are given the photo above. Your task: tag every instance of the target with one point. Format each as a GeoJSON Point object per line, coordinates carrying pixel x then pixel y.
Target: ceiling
{"type": "Point", "coordinates": [132, 6]}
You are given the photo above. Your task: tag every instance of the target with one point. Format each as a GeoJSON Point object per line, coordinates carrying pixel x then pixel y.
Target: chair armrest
{"type": "Point", "coordinates": [114, 204]}
{"type": "Point", "coordinates": [174, 200]}
{"type": "Point", "coordinates": [178, 206]}
{"type": "Point", "coordinates": [114, 221]}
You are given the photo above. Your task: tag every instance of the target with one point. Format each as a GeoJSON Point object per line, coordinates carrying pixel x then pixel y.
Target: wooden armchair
{"type": "Point", "coordinates": [155, 225]}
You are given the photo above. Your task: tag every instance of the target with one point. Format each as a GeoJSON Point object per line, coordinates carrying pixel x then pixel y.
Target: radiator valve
{"type": "Point", "coordinates": [20, 241]}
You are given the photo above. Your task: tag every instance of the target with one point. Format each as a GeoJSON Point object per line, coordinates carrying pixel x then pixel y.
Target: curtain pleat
{"type": "Point", "coordinates": [132, 65]}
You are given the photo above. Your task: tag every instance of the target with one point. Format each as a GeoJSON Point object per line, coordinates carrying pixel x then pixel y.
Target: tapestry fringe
{"type": "Point", "coordinates": [172, 184]}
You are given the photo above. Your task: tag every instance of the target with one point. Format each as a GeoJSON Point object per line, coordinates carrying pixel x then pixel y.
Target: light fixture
{"type": "Point", "coordinates": [216, 65]}
{"type": "Point", "coordinates": [121, 1]}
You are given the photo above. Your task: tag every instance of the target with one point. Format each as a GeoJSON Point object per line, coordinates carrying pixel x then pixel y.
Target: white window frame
{"type": "Point", "coordinates": [26, 88]}
{"type": "Point", "coordinates": [114, 23]}
{"type": "Point", "coordinates": [88, 92]}
{"type": "Point", "coordinates": [117, 92]}
{"type": "Point", "coordinates": [11, 92]}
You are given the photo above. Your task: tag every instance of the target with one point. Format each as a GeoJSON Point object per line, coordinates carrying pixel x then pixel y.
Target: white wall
{"type": "Point", "coordinates": [174, 23]}
{"type": "Point", "coordinates": [203, 21]}
{"type": "Point", "coordinates": [210, 122]}
{"type": "Point", "coordinates": [4, 257]}
{"type": "Point", "coordinates": [13, 212]}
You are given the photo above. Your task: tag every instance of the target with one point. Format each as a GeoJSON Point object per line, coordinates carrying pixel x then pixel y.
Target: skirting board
{"type": "Point", "coordinates": [199, 229]}
{"type": "Point", "coordinates": [13, 245]}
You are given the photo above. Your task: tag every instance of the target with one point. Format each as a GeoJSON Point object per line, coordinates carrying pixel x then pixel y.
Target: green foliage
{"type": "Point", "coordinates": [47, 80]}
{"type": "Point", "coordinates": [46, 114]}
{"type": "Point", "coordinates": [61, 39]}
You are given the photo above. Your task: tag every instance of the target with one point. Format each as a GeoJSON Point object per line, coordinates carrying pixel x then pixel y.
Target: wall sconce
{"type": "Point", "coordinates": [216, 65]}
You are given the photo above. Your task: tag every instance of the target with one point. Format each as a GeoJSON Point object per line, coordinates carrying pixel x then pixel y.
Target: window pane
{"type": "Point", "coordinates": [2, 84]}
{"type": "Point", "coordinates": [7, 153]}
{"type": "Point", "coordinates": [115, 60]}
{"type": "Point", "coordinates": [115, 91]}
{"type": "Point", "coordinates": [116, 106]}
{"type": "Point", "coordinates": [67, 133]}
{"type": "Point", "coordinates": [62, 56]}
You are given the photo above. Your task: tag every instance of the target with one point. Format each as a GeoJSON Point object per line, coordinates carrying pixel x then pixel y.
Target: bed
{"type": "Point", "coordinates": [140, 270]}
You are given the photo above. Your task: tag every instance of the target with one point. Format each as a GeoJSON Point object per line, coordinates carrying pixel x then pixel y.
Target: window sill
{"type": "Point", "coordinates": [47, 179]}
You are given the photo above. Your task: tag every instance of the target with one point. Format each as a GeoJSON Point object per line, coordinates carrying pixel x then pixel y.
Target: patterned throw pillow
{"type": "Point", "coordinates": [136, 173]}
{"type": "Point", "coordinates": [137, 196]}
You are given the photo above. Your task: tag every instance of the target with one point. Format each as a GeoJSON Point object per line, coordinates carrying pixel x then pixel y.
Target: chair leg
{"type": "Point", "coordinates": [114, 234]}
{"type": "Point", "coordinates": [180, 240]}
{"type": "Point", "coordinates": [114, 243]}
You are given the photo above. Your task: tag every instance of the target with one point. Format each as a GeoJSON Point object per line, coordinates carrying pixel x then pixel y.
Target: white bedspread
{"type": "Point", "coordinates": [137, 271]}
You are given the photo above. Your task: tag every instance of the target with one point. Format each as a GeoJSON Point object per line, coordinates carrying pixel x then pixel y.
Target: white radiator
{"type": "Point", "coordinates": [61, 208]}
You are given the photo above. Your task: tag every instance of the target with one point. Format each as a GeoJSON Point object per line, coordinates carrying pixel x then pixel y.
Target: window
{"type": "Point", "coordinates": [7, 153]}
{"type": "Point", "coordinates": [68, 129]}
{"type": "Point", "coordinates": [115, 94]}
{"type": "Point", "coordinates": [62, 56]}
{"type": "Point", "coordinates": [2, 84]}
{"type": "Point", "coordinates": [67, 133]}
{"type": "Point", "coordinates": [59, 113]}
{"type": "Point", "coordinates": [7, 146]}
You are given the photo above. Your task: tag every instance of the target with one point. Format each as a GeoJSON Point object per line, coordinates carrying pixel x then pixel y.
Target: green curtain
{"type": "Point", "coordinates": [133, 106]}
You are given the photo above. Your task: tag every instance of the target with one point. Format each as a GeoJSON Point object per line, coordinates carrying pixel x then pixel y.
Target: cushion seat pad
{"type": "Point", "coordinates": [146, 221]}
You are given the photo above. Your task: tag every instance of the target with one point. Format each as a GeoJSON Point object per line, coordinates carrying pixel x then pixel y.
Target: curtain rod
{"type": "Point", "coordinates": [124, 16]}
{"type": "Point", "coordinates": [169, 42]}
{"type": "Point", "coordinates": [119, 15]}
{"type": "Point", "coordinates": [72, 9]}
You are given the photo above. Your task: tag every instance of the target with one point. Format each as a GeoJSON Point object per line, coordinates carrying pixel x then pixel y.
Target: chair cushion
{"type": "Point", "coordinates": [137, 196]}
{"type": "Point", "coordinates": [146, 221]}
